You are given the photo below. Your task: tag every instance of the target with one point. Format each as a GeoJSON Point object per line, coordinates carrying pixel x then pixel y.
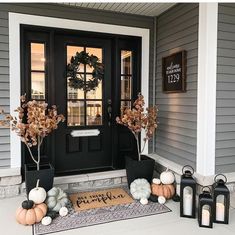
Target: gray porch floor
{"type": "Point", "coordinates": [168, 223]}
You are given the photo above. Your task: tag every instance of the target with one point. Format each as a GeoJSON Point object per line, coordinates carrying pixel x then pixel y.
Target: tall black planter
{"type": "Point", "coordinates": [139, 169]}
{"type": "Point", "coordinates": [45, 175]}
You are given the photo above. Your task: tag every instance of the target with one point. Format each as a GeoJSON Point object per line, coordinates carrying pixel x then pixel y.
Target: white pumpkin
{"type": "Point", "coordinates": [46, 220]}
{"type": "Point", "coordinates": [167, 177]}
{"type": "Point", "coordinates": [161, 200]}
{"type": "Point", "coordinates": [56, 198]}
{"type": "Point", "coordinates": [156, 181]}
{"type": "Point", "coordinates": [63, 211]}
{"type": "Point", "coordinates": [38, 194]}
{"type": "Point", "coordinates": [140, 188]}
{"type": "Point", "coordinates": [144, 201]}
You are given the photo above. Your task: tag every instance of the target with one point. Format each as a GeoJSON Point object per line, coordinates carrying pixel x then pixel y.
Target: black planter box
{"type": "Point", "coordinates": [139, 169]}
{"type": "Point", "coordinates": [45, 175]}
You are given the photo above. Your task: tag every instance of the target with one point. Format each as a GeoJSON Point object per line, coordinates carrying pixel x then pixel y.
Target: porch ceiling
{"type": "Point", "coordinates": [146, 9]}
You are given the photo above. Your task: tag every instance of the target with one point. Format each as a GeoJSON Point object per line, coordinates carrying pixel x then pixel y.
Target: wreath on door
{"type": "Point", "coordinates": [76, 78]}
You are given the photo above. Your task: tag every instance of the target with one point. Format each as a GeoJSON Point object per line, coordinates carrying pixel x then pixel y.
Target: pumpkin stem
{"type": "Point", "coordinates": [37, 183]}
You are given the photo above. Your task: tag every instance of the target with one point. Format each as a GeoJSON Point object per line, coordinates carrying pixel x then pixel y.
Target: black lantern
{"type": "Point", "coordinates": [187, 193]}
{"type": "Point", "coordinates": [221, 197]}
{"type": "Point", "coordinates": [205, 208]}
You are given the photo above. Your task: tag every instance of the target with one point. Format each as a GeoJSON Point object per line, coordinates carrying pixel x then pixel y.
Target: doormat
{"type": "Point", "coordinates": [99, 199]}
{"type": "Point", "coordinates": [100, 215]}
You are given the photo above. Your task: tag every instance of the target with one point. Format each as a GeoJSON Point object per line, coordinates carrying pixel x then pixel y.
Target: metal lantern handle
{"type": "Point", "coordinates": [216, 181]}
{"type": "Point", "coordinates": [206, 187]}
{"type": "Point", "coordinates": [187, 166]}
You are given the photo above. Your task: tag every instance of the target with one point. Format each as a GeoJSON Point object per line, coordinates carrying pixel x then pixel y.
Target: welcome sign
{"type": "Point", "coordinates": [174, 72]}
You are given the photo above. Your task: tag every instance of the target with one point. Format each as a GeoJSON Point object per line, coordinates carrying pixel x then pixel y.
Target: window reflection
{"type": "Point", "coordinates": [94, 113]}
{"type": "Point", "coordinates": [38, 56]}
{"type": "Point", "coordinates": [75, 113]}
{"type": "Point", "coordinates": [38, 85]}
{"type": "Point", "coordinates": [38, 71]}
{"type": "Point", "coordinates": [126, 62]}
{"type": "Point", "coordinates": [79, 100]}
{"type": "Point", "coordinates": [126, 87]}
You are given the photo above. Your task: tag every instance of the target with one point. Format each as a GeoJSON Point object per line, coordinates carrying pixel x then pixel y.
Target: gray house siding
{"type": "Point", "coordinates": [225, 108]}
{"type": "Point", "coordinates": [60, 11]}
{"type": "Point", "coordinates": [176, 135]}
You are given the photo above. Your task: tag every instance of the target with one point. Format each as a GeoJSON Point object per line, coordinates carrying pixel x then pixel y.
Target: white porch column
{"type": "Point", "coordinates": [206, 94]}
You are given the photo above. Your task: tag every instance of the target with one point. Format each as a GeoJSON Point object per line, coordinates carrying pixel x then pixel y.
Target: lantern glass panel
{"type": "Point", "coordinates": [220, 208]}
{"type": "Point", "coordinates": [188, 201]}
{"type": "Point", "coordinates": [206, 215]}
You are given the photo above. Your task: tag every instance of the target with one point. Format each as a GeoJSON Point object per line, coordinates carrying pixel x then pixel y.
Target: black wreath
{"type": "Point", "coordinates": [76, 80]}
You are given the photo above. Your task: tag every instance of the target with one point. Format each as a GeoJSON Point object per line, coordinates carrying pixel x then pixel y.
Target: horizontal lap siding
{"type": "Point", "coordinates": [60, 11]}
{"type": "Point", "coordinates": [4, 88]}
{"type": "Point", "coordinates": [225, 116]}
{"type": "Point", "coordinates": [176, 135]}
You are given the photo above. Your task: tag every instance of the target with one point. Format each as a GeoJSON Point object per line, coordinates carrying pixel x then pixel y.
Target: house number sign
{"type": "Point", "coordinates": [174, 72]}
{"type": "Point", "coordinates": [83, 133]}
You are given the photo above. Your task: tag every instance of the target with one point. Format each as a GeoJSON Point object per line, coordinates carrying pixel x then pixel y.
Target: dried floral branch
{"type": "Point", "coordinates": [137, 119]}
{"type": "Point", "coordinates": [35, 121]}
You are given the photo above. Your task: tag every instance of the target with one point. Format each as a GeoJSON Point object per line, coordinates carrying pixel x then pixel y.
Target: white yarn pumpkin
{"type": "Point", "coordinates": [144, 201]}
{"type": "Point", "coordinates": [63, 211]}
{"type": "Point", "coordinates": [140, 188]}
{"type": "Point", "coordinates": [167, 177]}
{"type": "Point", "coordinates": [56, 198]}
{"type": "Point", "coordinates": [46, 220]}
{"type": "Point", "coordinates": [161, 200]}
{"type": "Point", "coordinates": [156, 181]}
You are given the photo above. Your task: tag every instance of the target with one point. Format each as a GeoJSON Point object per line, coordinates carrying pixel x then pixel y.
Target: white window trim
{"type": "Point", "coordinates": [206, 93]}
{"type": "Point", "coordinates": [15, 20]}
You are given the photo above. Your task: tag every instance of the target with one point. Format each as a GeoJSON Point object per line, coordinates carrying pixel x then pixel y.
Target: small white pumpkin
{"type": "Point", "coordinates": [140, 188]}
{"type": "Point", "coordinates": [144, 201]}
{"type": "Point", "coordinates": [167, 177]}
{"type": "Point", "coordinates": [46, 220]}
{"type": "Point", "coordinates": [63, 211]}
{"type": "Point", "coordinates": [161, 200]}
{"type": "Point", "coordinates": [156, 181]}
{"type": "Point", "coordinates": [56, 198]}
{"type": "Point", "coordinates": [38, 194]}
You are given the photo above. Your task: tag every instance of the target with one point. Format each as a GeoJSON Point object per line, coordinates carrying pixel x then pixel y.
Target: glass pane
{"type": "Point", "coordinates": [126, 87]}
{"type": "Point", "coordinates": [74, 93]}
{"type": "Point", "coordinates": [75, 116]}
{"type": "Point", "coordinates": [95, 94]}
{"type": "Point", "coordinates": [93, 51]}
{"type": "Point", "coordinates": [94, 112]}
{"type": "Point", "coordinates": [220, 208]}
{"type": "Point", "coordinates": [126, 62]}
{"type": "Point", "coordinates": [71, 51]}
{"type": "Point", "coordinates": [206, 215]}
{"type": "Point", "coordinates": [38, 85]}
{"type": "Point", "coordinates": [125, 105]}
{"type": "Point", "coordinates": [188, 201]}
{"type": "Point", "coordinates": [38, 56]}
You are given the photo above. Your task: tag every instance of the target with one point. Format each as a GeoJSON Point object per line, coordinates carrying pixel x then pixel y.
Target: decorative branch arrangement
{"type": "Point", "coordinates": [35, 121]}
{"type": "Point", "coordinates": [137, 119]}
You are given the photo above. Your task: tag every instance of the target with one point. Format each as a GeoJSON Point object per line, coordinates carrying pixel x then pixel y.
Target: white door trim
{"type": "Point", "coordinates": [16, 19]}
{"type": "Point", "coordinates": [206, 92]}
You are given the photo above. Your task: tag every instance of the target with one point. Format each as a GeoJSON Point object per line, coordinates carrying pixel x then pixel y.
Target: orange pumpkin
{"type": "Point", "coordinates": [165, 190]}
{"type": "Point", "coordinates": [31, 216]}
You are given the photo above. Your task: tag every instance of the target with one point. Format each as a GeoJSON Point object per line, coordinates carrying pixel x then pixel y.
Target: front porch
{"type": "Point", "coordinates": [196, 125]}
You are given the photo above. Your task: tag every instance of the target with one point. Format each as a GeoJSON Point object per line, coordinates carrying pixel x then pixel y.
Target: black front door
{"type": "Point", "coordinates": [84, 140]}
{"type": "Point", "coordinates": [89, 140]}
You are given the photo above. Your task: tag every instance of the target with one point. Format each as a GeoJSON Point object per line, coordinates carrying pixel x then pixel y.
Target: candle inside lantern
{"type": "Point", "coordinates": [188, 204]}
{"type": "Point", "coordinates": [205, 217]}
{"type": "Point", "coordinates": [219, 211]}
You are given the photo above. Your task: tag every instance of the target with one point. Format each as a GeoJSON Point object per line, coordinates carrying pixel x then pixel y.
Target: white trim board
{"type": "Point", "coordinates": [206, 88]}
{"type": "Point", "coordinates": [15, 20]}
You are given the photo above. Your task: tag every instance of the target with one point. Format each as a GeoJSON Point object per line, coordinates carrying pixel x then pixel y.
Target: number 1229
{"type": "Point", "coordinates": [173, 78]}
